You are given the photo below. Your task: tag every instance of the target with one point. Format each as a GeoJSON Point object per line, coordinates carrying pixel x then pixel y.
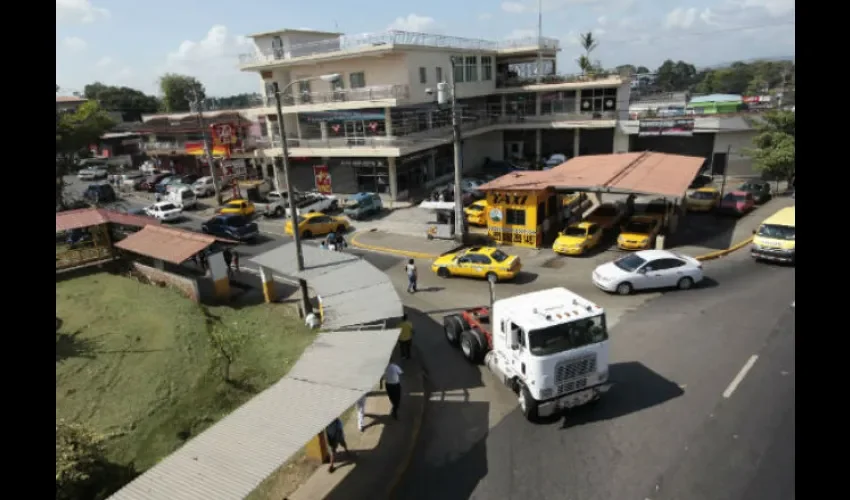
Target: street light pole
{"type": "Point", "coordinates": [207, 153]}
{"type": "Point", "coordinates": [456, 140]}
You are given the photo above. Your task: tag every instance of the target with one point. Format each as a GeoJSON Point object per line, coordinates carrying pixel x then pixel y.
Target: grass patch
{"type": "Point", "coordinates": [135, 362]}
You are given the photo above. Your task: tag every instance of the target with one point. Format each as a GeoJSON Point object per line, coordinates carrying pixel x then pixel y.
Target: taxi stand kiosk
{"type": "Point", "coordinates": [443, 227]}
{"type": "Point", "coordinates": [524, 218]}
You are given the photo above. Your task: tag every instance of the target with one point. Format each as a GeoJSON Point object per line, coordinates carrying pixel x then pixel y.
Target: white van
{"type": "Point", "coordinates": [203, 186]}
{"type": "Point", "coordinates": [182, 196]}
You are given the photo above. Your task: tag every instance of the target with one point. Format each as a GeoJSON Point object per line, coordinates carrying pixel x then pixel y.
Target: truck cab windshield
{"type": "Point", "coordinates": [567, 336]}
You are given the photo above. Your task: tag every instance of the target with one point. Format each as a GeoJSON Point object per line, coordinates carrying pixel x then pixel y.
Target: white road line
{"type": "Point", "coordinates": [740, 376]}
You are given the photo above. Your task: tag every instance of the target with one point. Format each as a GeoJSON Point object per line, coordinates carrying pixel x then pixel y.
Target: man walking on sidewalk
{"type": "Point", "coordinates": [336, 438]}
{"type": "Point", "coordinates": [410, 268]}
{"type": "Point", "coordinates": [405, 338]}
{"type": "Point", "coordinates": [361, 411]}
{"type": "Point", "coordinates": [392, 379]}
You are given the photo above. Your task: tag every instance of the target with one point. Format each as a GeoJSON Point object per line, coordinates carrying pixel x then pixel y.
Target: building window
{"type": "Point", "coordinates": [471, 67]}
{"type": "Point", "coordinates": [357, 80]}
{"type": "Point", "coordinates": [457, 69]}
{"type": "Point", "coordinates": [515, 217]}
{"type": "Point", "coordinates": [598, 100]}
{"type": "Point", "coordinates": [486, 68]}
{"type": "Point", "coordinates": [372, 179]}
{"type": "Point", "coordinates": [439, 75]}
{"type": "Point", "coordinates": [423, 75]}
{"type": "Point", "coordinates": [277, 47]}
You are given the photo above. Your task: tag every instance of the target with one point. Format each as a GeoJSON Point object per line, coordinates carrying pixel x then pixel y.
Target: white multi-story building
{"type": "Point", "coordinates": [377, 128]}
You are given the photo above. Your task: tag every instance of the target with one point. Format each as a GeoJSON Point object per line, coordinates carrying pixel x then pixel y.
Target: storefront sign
{"type": "Point", "coordinates": [666, 127]}
{"type": "Point", "coordinates": [362, 162]}
{"type": "Point", "coordinates": [196, 148]}
{"type": "Point", "coordinates": [323, 179]}
{"type": "Point", "coordinates": [508, 199]}
{"type": "Point", "coordinates": [517, 235]}
{"type": "Point", "coordinates": [496, 215]}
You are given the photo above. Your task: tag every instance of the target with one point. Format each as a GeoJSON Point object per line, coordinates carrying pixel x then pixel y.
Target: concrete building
{"type": "Point", "coordinates": [376, 128]}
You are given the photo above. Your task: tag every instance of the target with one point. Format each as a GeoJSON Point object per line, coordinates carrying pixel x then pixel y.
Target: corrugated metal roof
{"type": "Point", "coordinates": [87, 217]}
{"type": "Point", "coordinates": [166, 243]}
{"type": "Point", "coordinates": [646, 173]}
{"type": "Point", "coordinates": [317, 261]}
{"type": "Point", "coordinates": [231, 458]}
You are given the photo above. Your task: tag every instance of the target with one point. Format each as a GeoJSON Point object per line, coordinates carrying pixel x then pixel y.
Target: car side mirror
{"type": "Point", "coordinates": [641, 270]}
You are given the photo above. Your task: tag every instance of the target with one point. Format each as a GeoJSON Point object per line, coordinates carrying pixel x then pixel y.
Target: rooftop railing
{"type": "Point", "coordinates": [373, 93]}
{"type": "Point", "coordinates": [392, 37]}
{"type": "Point", "coordinates": [503, 81]}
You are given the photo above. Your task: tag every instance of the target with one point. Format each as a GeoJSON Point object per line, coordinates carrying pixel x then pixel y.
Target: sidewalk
{"type": "Point", "coordinates": [382, 451]}
{"type": "Point", "coordinates": [417, 247]}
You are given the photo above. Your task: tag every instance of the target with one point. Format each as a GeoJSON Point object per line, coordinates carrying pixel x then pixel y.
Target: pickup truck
{"type": "Point", "coordinates": [275, 203]}
{"type": "Point", "coordinates": [314, 202]}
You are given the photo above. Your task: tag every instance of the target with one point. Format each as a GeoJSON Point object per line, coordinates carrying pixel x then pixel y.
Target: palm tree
{"type": "Point", "coordinates": [588, 42]}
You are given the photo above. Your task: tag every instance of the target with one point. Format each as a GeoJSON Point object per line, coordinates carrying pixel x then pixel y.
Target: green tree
{"type": "Point", "coordinates": [228, 343]}
{"type": "Point", "coordinates": [588, 43]}
{"type": "Point", "coordinates": [774, 153]}
{"type": "Point", "coordinates": [131, 103]}
{"type": "Point", "coordinates": [675, 76]}
{"type": "Point", "coordinates": [178, 92]}
{"type": "Point", "coordinates": [79, 457]}
{"type": "Point", "coordinates": [74, 132]}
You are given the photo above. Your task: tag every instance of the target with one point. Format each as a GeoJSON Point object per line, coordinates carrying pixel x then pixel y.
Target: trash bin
{"type": "Point", "coordinates": [659, 242]}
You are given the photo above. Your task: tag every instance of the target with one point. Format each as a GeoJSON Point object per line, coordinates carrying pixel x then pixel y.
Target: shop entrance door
{"type": "Point", "coordinates": [355, 133]}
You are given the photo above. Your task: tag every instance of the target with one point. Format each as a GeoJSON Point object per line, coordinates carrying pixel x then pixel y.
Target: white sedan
{"type": "Point", "coordinates": [164, 211]}
{"type": "Point", "coordinates": [648, 269]}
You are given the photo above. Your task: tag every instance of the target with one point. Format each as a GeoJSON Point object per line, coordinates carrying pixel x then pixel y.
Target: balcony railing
{"type": "Point", "coordinates": [389, 38]}
{"type": "Point", "coordinates": [516, 81]}
{"type": "Point", "coordinates": [337, 142]}
{"type": "Point", "coordinates": [373, 93]}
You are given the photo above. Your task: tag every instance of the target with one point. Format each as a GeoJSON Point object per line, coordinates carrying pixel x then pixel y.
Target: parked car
{"type": "Point", "coordinates": [702, 200]}
{"type": "Point", "coordinates": [608, 215]}
{"type": "Point", "coordinates": [759, 189]}
{"type": "Point", "coordinates": [189, 179]}
{"type": "Point", "coordinates": [233, 226]}
{"type": "Point", "coordinates": [314, 202]}
{"type": "Point", "coordinates": [639, 232]}
{"type": "Point", "coordinates": [165, 211]}
{"type": "Point", "coordinates": [275, 203]}
{"type": "Point", "coordinates": [132, 180]}
{"type": "Point", "coordinates": [162, 186]}
{"type": "Point", "coordinates": [578, 238]}
{"type": "Point", "coordinates": [150, 183]}
{"type": "Point", "coordinates": [478, 262]}
{"type": "Point", "coordinates": [476, 213]}
{"type": "Point", "coordinates": [238, 207]}
{"type": "Point", "coordinates": [317, 224]}
{"type": "Point", "coordinates": [737, 203]}
{"type": "Point", "coordinates": [648, 269]}
{"type": "Point", "coordinates": [555, 160]}
{"type": "Point", "coordinates": [182, 196]}
{"type": "Point", "coordinates": [701, 180]}
{"type": "Point", "coordinates": [203, 187]}
{"type": "Point", "coordinates": [100, 193]}
{"type": "Point", "coordinates": [362, 205]}
{"type": "Point", "coordinates": [92, 173]}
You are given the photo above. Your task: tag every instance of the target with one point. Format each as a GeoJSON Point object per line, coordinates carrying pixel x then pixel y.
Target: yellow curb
{"type": "Point", "coordinates": [727, 251]}
{"type": "Point", "coordinates": [405, 253]}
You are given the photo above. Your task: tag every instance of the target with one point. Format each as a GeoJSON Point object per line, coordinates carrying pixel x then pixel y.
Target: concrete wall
{"type": "Point", "coordinates": [430, 60]}
{"type": "Point", "coordinates": [736, 143]}
{"type": "Point", "coordinates": [476, 149]}
{"type": "Point", "coordinates": [186, 286]}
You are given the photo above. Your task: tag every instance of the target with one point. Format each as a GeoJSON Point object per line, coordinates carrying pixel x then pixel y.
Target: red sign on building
{"type": "Point", "coordinates": [322, 176]}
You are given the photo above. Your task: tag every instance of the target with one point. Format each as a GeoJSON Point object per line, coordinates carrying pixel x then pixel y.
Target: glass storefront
{"type": "Point", "coordinates": [370, 174]}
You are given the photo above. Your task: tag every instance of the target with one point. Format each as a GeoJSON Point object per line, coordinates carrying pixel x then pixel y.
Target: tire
{"type": "Point", "coordinates": [624, 288]}
{"type": "Point", "coordinates": [492, 277]}
{"type": "Point", "coordinates": [443, 272]}
{"type": "Point", "coordinates": [340, 229]}
{"type": "Point", "coordinates": [470, 346]}
{"type": "Point", "coordinates": [527, 404]}
{"type": "Point", "coordinates": [278, 212]}
{"type": "Point", "coordinates": [453, 327]}
{"type": "Point", "coordinates": [307, 234]}
{"type": "Point", "coordinates": [685, 283]}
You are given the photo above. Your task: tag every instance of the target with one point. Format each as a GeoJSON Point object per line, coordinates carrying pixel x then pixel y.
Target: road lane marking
{"type": "Point", "coordinates": [740, 376]}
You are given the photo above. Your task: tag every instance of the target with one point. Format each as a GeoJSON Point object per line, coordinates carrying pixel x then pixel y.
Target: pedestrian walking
{"type": "Point", "coordinates": [361, 411]}
{"type": "Point", "coordinates": [392, 380]}
{"type": "Point", "coordinates": [236, 260]}
{"type": "Point", "coordinates": [336, 438]}
{"type": "Point", "coordinates": [203, 259]}
{"type": "Point", "coordinates": [340, 242]}
{"type": "Point", "coordinates": [405, 338]}
{"type": "Point", "coordinates": [410, 268]}
{"type": "Point", "coordinates": [228, 259]}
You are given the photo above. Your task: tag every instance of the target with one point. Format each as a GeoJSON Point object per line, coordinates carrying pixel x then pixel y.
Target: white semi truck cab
{"type": "Point", "coordinates": [549, 346]}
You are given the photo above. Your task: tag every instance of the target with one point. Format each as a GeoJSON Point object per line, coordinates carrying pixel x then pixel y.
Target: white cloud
{"type": "Point", "coordinates": [213, 61]}
{"type": "Point", "coordinates": [74, 44]}
{"type": "Point", "coordinates": [80, 11]}
{"type": "Point", "coordinates": [513, 7]}
{"type": "Point", "coordinates": [413, 22]}
{"type": "Point", "coordinates": [773, 7]}
{"type": "Point", "coordinates": [104, 62]}
{"type": "Point", "coordinates": [485, 16]}
{"type": "Point", "coordinates": [680, 18]}
{"type": "Point", "coordinates": [602, 20]}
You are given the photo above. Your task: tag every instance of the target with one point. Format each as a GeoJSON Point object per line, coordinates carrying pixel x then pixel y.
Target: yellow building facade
{"type": "Point", "coordinates": [523, 218]}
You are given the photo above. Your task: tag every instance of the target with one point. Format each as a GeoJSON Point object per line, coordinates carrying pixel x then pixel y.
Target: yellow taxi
{"type": "Point", "coordinates": [478, 262]}
{"type": "Point", "coordinates": [702, 200]}
{"type": "Point", "coordinates": [317, 224]}
{"type": "Point", "coordinates": [570, 199]}
{"type": "Point", "coordinates": [639, 232]}
{"type": "Point", "coordinates": [238, 207]}
{"type": "Point", "coordinates": [476, 213]}
{"type": "Point", "coordinates": [578, 238]}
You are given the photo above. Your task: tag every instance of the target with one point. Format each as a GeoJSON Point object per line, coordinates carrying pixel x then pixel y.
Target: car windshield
{"type": "Point", "coordinates": [751, 187]}
{"type": "Point", "coordinates": [499, 256]}
{"type": "Point", "coordinates": [702, 195]}
{"type": "Point", "coordinates": [630, 262]}
{"type": "Point", "coordinates": [776, 231]}
{"type": "Point", "coordinates": [236, 221]}
{"type": "Point", "coordinates": [575, 231]}
{"type": "Point", "coordinates": [167, 206]}
{"type": "Point", "coordinates": [234, 204]}
{"type": "Point", "coordinates": [567, 336]}
{"type": "Point", "coordinates": [638, 227]}
{"type": "Point", "coordinates": [300, 219]}
{"type": "Point", "coordinates": [352, 203]}
{"type": "Point", "coordinates": [475, 208]}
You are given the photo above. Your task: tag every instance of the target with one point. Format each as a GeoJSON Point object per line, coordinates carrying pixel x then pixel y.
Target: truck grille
{"type": "Point", "coordinates": [572, 375]}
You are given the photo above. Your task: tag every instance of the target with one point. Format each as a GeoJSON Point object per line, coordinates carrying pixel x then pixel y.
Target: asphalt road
{"type": "Point", "coordinates": [667, 429]}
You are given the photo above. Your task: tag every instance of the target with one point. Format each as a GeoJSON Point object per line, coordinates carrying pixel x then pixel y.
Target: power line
{"type": "Point", "coordinates": [703, 33]}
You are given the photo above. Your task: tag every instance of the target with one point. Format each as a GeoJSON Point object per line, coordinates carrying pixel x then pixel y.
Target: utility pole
{"type": "Point", "coordinates": [456, 140]}
{"type": "Point", "coordinates": [199, 108]}
{"type": "Point", "coordinates": [539, 41]}
{"type": "Point", "coordinates": [725, 171]}
{"type": "Point", "coordinates": [290, 194]}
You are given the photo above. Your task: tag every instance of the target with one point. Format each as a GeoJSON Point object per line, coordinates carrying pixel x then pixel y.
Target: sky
{"type": "Point", "coordinates": [117, 42]}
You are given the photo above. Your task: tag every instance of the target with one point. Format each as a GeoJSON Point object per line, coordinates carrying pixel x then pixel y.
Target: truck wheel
{"type": "Point", "coordinates": [278, 211]}
{"type": "Point", "coordinates": [527, 404]}
{"type": "Point", "coordinates": [443, 272]}
{"type": "Point", "coordinates": [470, 345]}
{"type": "Point", "coordinates": [624, 288]}
{"type": "Point", "coordinates": [453, 326]}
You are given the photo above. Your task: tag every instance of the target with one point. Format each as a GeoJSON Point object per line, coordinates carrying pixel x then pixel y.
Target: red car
{"type": "Point", "coordinates": [737, 202]}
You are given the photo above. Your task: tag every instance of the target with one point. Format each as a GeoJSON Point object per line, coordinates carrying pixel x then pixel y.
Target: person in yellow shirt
{"type": "Point", "coordinates": [405, 338]}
